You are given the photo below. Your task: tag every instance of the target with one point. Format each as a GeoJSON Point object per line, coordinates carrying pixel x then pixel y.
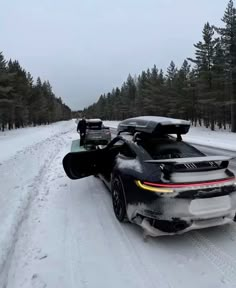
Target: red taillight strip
{"type": "Point", "coordinates": [190, 184]}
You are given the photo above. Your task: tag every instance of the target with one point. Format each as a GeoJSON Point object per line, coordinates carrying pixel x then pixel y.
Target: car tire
{"type": "Point", "coordinates": [118, 200]}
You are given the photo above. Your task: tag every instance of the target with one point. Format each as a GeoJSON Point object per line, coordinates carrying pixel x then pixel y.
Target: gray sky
{"type": "Point", "coordinates": [85, 48]}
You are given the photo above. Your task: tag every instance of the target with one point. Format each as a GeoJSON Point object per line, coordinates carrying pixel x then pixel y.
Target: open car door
{"type": "Point", "coordinates": [83, 164]}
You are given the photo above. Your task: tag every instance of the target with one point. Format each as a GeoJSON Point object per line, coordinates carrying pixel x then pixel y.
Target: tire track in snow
{"type": "Point", "coordinates": [30, 257]}
{"type": "Point", "coordinates": [224, 262]}
{"type": "Point", "coordinates": [123, 248]}
{"type": "Point", "coordinates": [93, 235]}
{"type": "Point", "coordinates": [142, 270]}
{"type": "Point", "coordinates": [32, 192]}
{"type": "Point", "coordinates": [230, 230]}
{"type": "Point", "coordinates": [32, 147]}
{"type": "Point", "coordinates": [74, 251]}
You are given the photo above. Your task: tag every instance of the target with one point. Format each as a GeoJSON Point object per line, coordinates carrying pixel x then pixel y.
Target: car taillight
{"type": "Point", "coordinates": [172, 187]}
{"type": "Point", "coordinates": [196, 184]}
{"type": "Point", "coordinates": [149, 187]}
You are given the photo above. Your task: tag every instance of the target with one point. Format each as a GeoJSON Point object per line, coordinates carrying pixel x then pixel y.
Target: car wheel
{"type": "Point", "coordinates": [118, 200]}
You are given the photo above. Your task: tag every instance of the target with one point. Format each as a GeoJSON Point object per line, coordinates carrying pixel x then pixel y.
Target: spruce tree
{"type": "Point", "coordinates": [228, 36]}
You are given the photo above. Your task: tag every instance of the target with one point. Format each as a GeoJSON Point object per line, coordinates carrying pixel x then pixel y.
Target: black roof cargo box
{"type": "Point", "coordinates": [154, 125]}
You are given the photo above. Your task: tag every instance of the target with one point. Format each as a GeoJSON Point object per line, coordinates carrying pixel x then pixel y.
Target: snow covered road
{"type": "Point", "coordinates": [60, 233]}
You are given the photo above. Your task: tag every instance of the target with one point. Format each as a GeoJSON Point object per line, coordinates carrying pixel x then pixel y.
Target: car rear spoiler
{"type": "Point", "coordinates": [193, 164]}
{"type": "Point", "coordinates": [175, 169]}
{"type": "Point", "coordinates": [192, 160]}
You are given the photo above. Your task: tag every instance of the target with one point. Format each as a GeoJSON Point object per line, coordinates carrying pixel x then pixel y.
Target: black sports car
{"type": "Point", "coordinates": [157, 181]}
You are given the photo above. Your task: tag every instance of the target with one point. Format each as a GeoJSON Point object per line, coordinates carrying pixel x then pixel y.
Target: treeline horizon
{"type": "Point", "coordinates": [25, 102]}
{"type": "Point", "coordinates": [202, 90]}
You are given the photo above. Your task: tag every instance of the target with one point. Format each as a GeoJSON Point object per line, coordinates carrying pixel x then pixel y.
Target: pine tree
{"type": "Point", "coordinates": [6, 103]}
{"type": "Point", "coordinates": [171, 74]}
{"type": "Point", "coordinates": [171, 90]}
{"type": "Point", "coordinates": [228, 35]}
{"type": "Point", "coordinates": [142, 84]}
{"type": "Point", "coordinates": [21, 94]}
{"type": "Point", "coordinates": [24, 103]}
{"type": "Point", "coordinates": [204, 62]}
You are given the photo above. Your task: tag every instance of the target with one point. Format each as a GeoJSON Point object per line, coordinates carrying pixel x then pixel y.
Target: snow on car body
{"type": "Point", "coordinates": [157, 181]}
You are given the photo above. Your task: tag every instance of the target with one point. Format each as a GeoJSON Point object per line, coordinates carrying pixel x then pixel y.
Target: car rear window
{"type": "Point", "coordinates": [94, 125]}
{"type": "Point", "coordinates": [167, 148]}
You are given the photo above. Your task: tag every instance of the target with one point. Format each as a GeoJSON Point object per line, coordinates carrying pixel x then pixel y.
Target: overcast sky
{"type": "Point", "coordinates": [85, 48]}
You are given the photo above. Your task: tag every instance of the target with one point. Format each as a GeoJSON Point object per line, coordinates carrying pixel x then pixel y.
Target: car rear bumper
{"type": "Point", "coordinates": [181, 226]}
{"type": "Point", "coordinates": [177, 215]}
{"type": "Point", "coordinates": [96, 141]}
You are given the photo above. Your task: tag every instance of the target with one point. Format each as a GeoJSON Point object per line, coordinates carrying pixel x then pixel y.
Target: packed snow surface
{"type": "Point", "coordinates": [60, 233]}
{"type": "Point", "coordinates": [15, 140]}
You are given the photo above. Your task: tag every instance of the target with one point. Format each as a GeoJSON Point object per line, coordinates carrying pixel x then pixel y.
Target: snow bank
{"type": "Point", "coordinates": [219, 139]}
